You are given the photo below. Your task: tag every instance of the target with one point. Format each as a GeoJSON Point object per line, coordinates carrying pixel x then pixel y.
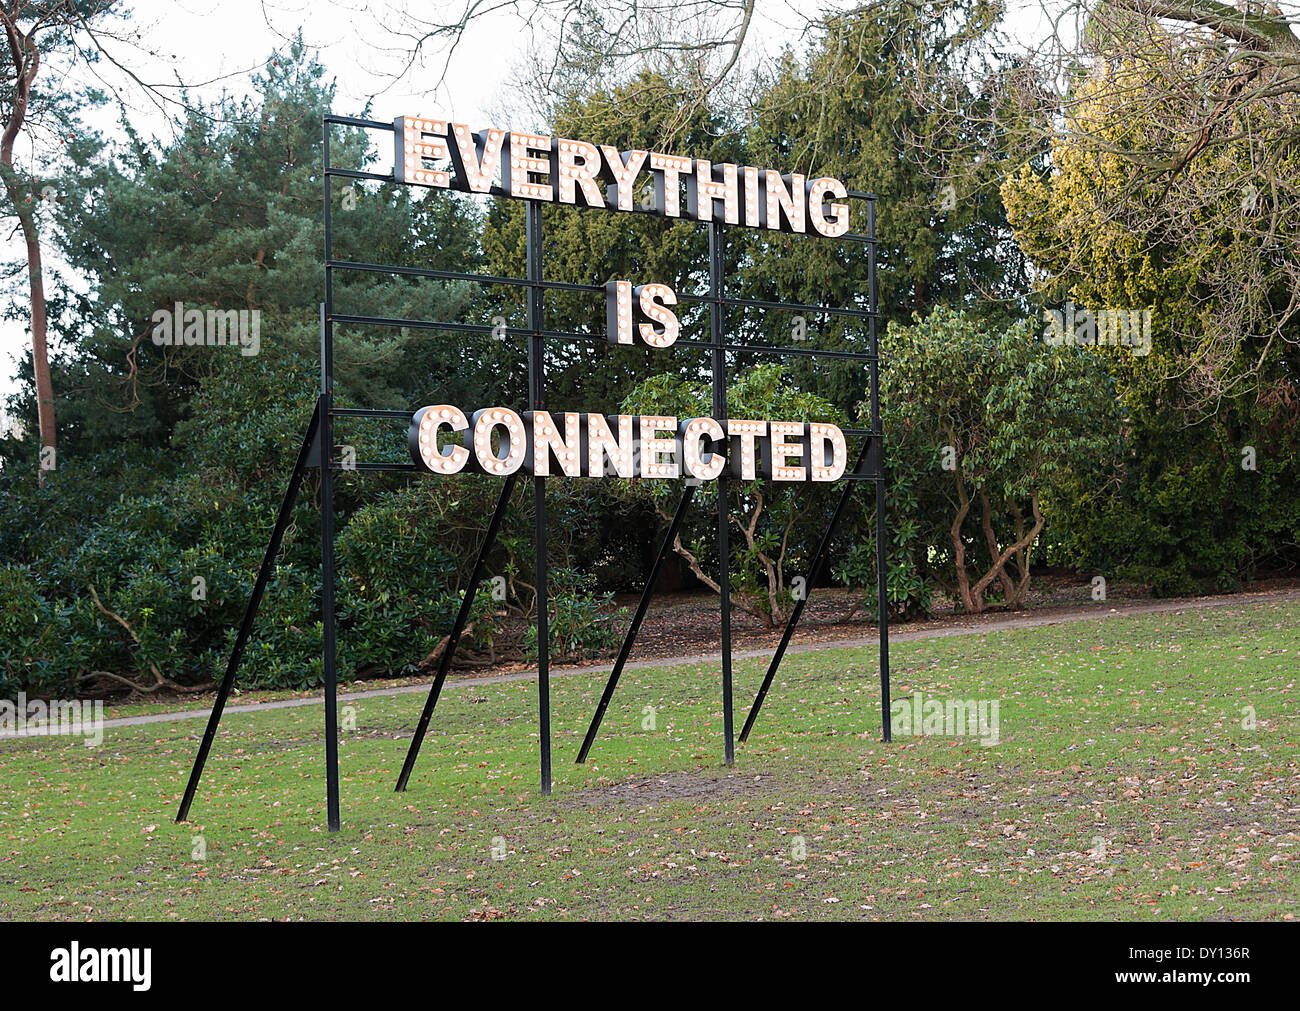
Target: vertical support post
{"type": "Point", "coordinates": [637, 618]}
{"type": "Point", "coordinates": [457, 629]}
{"type": "Point", "coordinates": [716, 326]}
{"type": "Point", "coordinates": [537, 402]}
{"type": "Point", "coordinates": [882, 574]}
{"type": "Point", "coordinates": [328, 626]}
{"type": "Point", "coordinates": [250, 611]}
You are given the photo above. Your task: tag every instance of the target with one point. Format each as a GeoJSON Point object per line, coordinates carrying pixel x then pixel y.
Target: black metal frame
{"type": "Point", "coordinates": [318, 450]}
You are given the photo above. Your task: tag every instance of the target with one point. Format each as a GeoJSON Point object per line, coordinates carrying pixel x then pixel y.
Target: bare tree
{"type": "Point", "coordinates": [579, 44]}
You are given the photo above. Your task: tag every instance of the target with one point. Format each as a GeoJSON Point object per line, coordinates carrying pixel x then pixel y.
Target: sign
{"type": "Point", "coordinates": [438, 153]}
{"type": "Point", "coordinates": [499, 441]}
{"type": "Point", "coordinates": [443, 439]}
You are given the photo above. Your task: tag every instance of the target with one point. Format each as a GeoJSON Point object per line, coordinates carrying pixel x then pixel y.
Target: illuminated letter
{"type": "Point", "coordinates": [518, 170]}
{"type": "Point", "coordinates": [838, 223]}
{"type": "Point", "coordinates": [667, 170]}
{"type": "Point", "coordinates": [778, 449]}
{"type": "Point", "coordinates": [416, 139]}
{"type": "Point", "coordinates": [423, 439]}
{"type": "Point", "coordinates": [618, 311]}
{"type": "Point", "coordinates": [752, 189]}
{"type": "Point", "coordinates": [697, 463]}
{"type": "Point", "coordinates": [649, 297]}
{"type": "Point", "coordinates": [601, 445]}
{"type": "Point", "coordinates": [743, 434]}
{"type": "Point", "coordinates": [512, 441]}
{"type": "Point", "coordinates": [622, 174]}
{"type": "Point", "coordinates": [652, 446]}
{"type": "Point", "coordinates": [785, 195]}
{"type": "Point", "coordinates": [577, 162]}
{"type": "Point", "coordinates": [824, 466]}
{"type": "Point", "coordinates": [546, 440]}
{"type": "Point", "coordinates": [703, 192]}
{"type": "Point", "coordinates": [475, 156]}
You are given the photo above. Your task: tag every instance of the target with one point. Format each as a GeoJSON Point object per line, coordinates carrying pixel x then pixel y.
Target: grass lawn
{"type": "Point", "coordinates": [1124, 787]}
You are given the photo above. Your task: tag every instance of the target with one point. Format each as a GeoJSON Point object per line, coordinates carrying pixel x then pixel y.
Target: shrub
{"type": "Point", "coordinates": [39, 652]}
{"type": "Point", "coordinates": [581, 621]}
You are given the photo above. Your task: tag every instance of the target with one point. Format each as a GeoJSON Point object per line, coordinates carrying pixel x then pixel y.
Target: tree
{"type": "Point", "coordinates": [181, 452]}
{"type": "Point", "coordinates": [776, 520]}
{"type": "Point", "coordinates": [227, 217]}
{"type": "Point", "coordinates": [852, 108]}
{"type": "Point", "coordinates": [1127, 211]}
{"type": "Point", "coordinates": [988, 424]}
{"type": "Point", "coordinates": [36, 31]}
{"type": "Point", "coordinates": [1211, 255]}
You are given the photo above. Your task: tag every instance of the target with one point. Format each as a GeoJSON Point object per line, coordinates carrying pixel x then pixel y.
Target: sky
{"type": "Point", "coordinates": [215, 44]}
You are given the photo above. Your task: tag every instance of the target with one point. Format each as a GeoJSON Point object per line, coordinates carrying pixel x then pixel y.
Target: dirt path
{"type": "Point", "coordinates": [930, 630]}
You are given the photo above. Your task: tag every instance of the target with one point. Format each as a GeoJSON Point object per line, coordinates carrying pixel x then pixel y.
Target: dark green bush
{"type": "Point", "coordinates": [40, 652]}
{"type": "Point", "coordinates": [1189, 515]}
{"type": "Point", "coordinates": [581, 621]}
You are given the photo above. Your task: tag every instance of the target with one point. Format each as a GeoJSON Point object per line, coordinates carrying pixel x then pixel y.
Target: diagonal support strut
{"type": "Point", "coordinates": [635, 627]}
{"type": "Point", "coordinates": [457, 628]}
{"type": "Point", "coordinates": [250, 611]}
{"type": "Point", "coordinates": [818, 564]}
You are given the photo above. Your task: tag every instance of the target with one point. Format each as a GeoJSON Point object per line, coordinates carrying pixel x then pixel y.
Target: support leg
{"type": "Point", "coordinates": [724, 583]}
{"type": "Point", "coordinates": [717, 326]}
{"type": "Point", "coordinates": [329, 620]}
{"type": "Point", "coordinates": [641, 607]}
{"type": "Point", "coordinates": [882, 589]}
{"type": "Point", "coordinates": [543, 636]}
{"type": "Point", "coordinates": [250, 611]}
{"type": "Point", "coordinates": [537, 400]}
{"type": "Point", "coordinates": [882, 574]}
{"type": "Point", "coordinates": [815, 571]}
{"type": "Point", "coordinates": [457, 629]}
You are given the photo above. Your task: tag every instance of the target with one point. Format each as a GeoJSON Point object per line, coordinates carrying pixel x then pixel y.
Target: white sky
{"type": "Point", "coordinates": [222, 41]}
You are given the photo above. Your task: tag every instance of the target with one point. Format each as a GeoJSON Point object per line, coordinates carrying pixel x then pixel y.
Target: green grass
{"type": "Point", "coordinates": [1124, 787]}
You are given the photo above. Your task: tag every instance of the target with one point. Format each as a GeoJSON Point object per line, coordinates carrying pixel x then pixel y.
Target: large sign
{"type": "Point", "coordinates": [438, 153]}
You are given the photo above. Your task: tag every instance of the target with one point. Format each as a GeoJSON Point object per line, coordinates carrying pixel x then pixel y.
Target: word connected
{"type": "Point", "coordinates": [497, 440]}
{"type": "Point", "coordinates": [439, 153]}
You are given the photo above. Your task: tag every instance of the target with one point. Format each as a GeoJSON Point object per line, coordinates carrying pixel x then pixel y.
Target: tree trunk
{"type": "Point", "coordinates": [999, 563]}
{"type": "Point", "coordinates": [959, 550]}
{"type": "Point", "coordinates": [26, 61]}
{"type": "Point", "coordinates": [990, 537]}
{"type": "Point", "coordinates": [40, 345]}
